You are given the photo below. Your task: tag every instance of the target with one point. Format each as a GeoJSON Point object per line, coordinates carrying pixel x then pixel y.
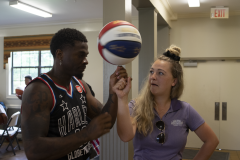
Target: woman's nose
{"type": "Point", "coordinates": [153, 76]}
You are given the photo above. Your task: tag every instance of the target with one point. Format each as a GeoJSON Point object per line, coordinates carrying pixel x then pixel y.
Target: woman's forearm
{"type": "Point", "coordinates": [124, 123]}
{"type": "Point", "coordinates": [207, 149]}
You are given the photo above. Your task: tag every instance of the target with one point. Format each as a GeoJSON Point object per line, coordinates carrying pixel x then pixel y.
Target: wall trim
{"type": "Point", "coordinates": [173, 16]}
{"type": "Point", "coordinates": [13, 106]}
{"type": "Point", "coordinates": [23, 43]}
{"type": "Point", "coordinates": [210, 58]}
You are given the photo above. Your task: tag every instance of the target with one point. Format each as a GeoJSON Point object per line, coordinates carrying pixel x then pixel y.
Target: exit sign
{"type": "Point", "coordinates": [218, 13]}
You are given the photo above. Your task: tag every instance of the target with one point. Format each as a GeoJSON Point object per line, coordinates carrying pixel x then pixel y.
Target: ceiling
{"type": "Point", "coordinates": [62, 10]}
{"type": "Point", "coordinates": [79, 10]}
{"type": "Point", "coordinates": [181, 6]}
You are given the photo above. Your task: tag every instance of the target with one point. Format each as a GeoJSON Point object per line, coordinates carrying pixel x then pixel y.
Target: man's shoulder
{"type": "Point", "coordinates": [36, 94]}
{"type": "Point", "coordinates": [37, 86]}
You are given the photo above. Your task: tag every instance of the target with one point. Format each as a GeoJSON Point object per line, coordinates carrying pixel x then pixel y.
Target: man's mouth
{"type": "Point", "coordinates": [83, 68]}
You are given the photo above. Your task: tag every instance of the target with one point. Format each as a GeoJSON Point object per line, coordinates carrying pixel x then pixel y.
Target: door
{"type": "Point", "coordinates": [230, 97]}
{"type": "Point", "coordinates": [201, 91]}
{"type": "Point", "coordinates": [206, 84]}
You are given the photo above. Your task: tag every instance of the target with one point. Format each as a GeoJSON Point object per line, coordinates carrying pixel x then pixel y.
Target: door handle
{"type": "Point", "coordinates": [224, 111]}
{"type": "Point", "coordinates": [217, 110]}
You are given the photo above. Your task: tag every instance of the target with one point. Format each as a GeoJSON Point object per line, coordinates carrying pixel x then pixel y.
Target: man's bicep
{"type": "Point", "coordinates": [36, 104]}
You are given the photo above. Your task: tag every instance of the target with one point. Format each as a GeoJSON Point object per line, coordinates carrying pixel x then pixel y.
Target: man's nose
{"type": "Point", "coordinates": [85, 61]}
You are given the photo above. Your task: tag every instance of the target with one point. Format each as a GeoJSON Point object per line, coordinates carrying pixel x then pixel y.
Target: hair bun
{"type": "Point", "coordinates": [174, 49]}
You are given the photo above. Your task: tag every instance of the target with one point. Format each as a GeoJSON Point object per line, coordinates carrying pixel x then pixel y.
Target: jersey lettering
{"type": "Point", "coordinates": [76, 116]}
{"type": "Point", "coordinates": [62, 126]}
{"type": "Point", "coordinates": [70, 121]}
{"type": "Point", "coordinates": [85, 113]}
{"type": "Point", "coordinates": [79, 152]}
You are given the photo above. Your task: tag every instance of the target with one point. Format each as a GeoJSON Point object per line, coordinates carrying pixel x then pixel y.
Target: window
{"type": "Point", "coordinates": [31, 63]}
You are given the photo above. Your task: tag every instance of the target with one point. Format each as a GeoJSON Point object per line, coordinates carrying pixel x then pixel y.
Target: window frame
{"type": "Point", "coordinates": [39, 66]}
{"type": "Point", "coordinates": [21, 43]}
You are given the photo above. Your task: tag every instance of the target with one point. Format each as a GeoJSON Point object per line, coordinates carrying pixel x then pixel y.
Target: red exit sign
{"type": "Point", "coordinates": [218, 13]}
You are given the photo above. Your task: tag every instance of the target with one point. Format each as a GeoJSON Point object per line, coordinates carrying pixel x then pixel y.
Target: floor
{"type": "Point", "coordinates": [8, 155]}
{"type": "Point", "coordinates": [234, 155]}
{"type": "Point", "coordinates": [20, 155]}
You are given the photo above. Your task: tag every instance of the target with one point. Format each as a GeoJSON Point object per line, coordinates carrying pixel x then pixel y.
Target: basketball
{"type": "Point", "coordinates": [19, 91]}
{"type": "Point", "coordinates": [119, 42]}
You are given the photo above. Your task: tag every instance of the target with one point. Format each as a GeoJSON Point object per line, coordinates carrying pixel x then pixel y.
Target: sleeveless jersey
{"type": "Point", "coordinates": [68, 114]}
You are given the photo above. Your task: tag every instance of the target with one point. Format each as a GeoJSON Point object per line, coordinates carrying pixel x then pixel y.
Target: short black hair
{"type": "Point", "coordinates": [29, 77]}
{"type": "Point", "coordinates": [66, 37]}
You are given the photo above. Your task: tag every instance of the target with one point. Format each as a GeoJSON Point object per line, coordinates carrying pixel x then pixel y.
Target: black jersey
{"type": "Point", "coordinates": [68, 113]}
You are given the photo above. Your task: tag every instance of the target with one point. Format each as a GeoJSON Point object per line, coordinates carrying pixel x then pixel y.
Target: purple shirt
{"type": "Point", "coordinates": [178, 120]}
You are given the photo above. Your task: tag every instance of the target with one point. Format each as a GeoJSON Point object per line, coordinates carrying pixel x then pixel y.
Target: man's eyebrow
{"type": "Point", "coordinates": [82, 52]}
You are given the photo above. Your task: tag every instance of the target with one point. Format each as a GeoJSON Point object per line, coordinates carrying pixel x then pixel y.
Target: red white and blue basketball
{"type": "Point", "coordinates": [119, 42]}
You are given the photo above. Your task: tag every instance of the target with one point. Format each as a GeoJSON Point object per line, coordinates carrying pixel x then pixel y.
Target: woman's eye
{"type": "Point", "coordinates": [160, 73]}
{"type": "Point", "coordinates": [151, 72]}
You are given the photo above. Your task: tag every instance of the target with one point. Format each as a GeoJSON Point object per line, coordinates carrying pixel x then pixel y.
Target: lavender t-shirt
{"type": "Point", "coordinates": [178, 120]}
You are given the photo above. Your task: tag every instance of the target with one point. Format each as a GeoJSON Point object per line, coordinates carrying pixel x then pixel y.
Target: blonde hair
{"type": "Point", "coordinates": [144, 103]}
{"type": "Point", "coordinates": [176, 70]}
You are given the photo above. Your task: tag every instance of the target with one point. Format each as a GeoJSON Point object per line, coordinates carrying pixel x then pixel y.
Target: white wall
{"type": "Point", "coordinates": [205, 37]}
{"type": "Point", "coordinates": [198, 37]}
{"type": "Point", "coordinates": [163, 39]}
{"type": "Point", "coordinates": [94, 71]}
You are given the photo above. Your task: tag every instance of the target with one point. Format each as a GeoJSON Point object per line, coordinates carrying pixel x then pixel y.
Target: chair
{"type": "Point", "coordinates": [10, 130]}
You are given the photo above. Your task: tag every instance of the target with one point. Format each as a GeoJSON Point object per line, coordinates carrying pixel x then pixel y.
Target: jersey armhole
{"type": "Point", "coordinates": [52, 93]}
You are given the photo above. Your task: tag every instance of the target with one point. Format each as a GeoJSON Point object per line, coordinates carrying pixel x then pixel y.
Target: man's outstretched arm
{"type": "Point", "coordinates": [95, 108]}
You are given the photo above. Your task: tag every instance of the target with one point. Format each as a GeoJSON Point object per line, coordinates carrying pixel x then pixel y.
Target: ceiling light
{"type": "Point", "coordinates": [193, 3]}
{"type": "Point", "coordinates": [27, 8]}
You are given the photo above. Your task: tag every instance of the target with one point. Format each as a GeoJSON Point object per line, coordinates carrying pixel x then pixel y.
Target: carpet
{"type": "Point", "coordinates": [190, 154]}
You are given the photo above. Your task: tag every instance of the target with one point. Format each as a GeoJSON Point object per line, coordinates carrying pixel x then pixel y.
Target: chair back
{"type": "Point", "coordinates": [14, 119]}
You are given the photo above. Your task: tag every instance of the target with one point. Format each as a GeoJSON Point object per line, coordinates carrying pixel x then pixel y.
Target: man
{"type": "Point", "coordinates": [28, 79]}
{"type": "Point", "coordinates": [55, 105]}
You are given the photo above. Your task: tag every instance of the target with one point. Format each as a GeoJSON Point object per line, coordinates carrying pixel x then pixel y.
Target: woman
{"type": "Point", "coordinates": [157, 121]}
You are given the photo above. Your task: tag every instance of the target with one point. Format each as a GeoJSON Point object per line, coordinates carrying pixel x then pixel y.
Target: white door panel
{"type": "Point", "coordinates": [201, 91]}
{"type": "Point", "coordinates": [230, 93]}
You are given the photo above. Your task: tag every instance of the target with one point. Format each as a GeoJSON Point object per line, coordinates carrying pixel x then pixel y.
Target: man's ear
{"type": "Point", "coordinates": [59, 54]}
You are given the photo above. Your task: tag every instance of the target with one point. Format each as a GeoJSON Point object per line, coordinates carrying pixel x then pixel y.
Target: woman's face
{"type": "Point", "coordinates": [161, 79]}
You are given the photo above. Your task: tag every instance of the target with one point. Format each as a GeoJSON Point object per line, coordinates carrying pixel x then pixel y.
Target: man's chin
{"type": "Point", "coordinates": [79, 75]}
